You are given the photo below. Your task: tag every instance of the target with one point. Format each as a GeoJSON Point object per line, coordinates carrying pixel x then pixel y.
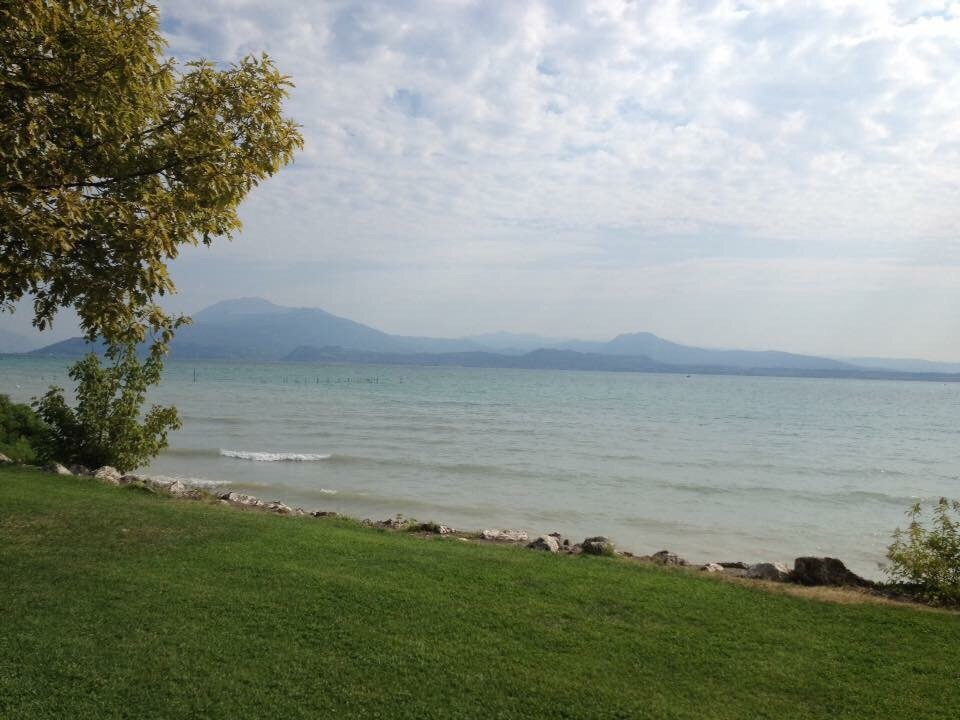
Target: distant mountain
{"type": "Point", "coordinates": [670, 353]}
{"type": "Point", "coordinates": [515, 343]}
{"type": "Point", "coordinates": [257, 330]}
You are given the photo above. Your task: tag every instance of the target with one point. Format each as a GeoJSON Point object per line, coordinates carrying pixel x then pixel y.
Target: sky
{"type": "Point", "coordinates": [775, 174]}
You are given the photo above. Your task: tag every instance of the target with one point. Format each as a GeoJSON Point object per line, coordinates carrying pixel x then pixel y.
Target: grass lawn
{"type": "Point", "coordinates": [120, 604]}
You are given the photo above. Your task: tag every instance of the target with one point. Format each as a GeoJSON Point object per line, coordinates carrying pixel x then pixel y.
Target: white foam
{"type": "Point", "coordinates": [324, 491]}
{"type": "Point", "coordinates": [273, 457]}
{"type": "Point", "coordinates": [195, 482]}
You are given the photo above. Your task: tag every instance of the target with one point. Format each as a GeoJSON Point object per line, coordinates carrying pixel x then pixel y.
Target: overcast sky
{"type": "Point", "coordinates": [752, 174]}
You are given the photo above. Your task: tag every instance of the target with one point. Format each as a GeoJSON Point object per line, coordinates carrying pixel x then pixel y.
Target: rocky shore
{"type": "Point", "coordinates": [807, 571]}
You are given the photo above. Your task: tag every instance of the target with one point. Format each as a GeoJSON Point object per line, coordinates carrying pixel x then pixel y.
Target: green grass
{"type": "Point", "coordinates": [120, 604]}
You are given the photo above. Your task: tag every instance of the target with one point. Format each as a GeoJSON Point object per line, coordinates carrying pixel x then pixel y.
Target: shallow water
{"type": "Point", "coordinates": [712, 467]}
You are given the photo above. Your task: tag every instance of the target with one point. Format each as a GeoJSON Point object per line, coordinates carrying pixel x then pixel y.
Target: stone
{"type": "Point", "coordinates": [131, 479]}
{"type": "Point", "coordinates": [4, 460]}
{"type": "Point", "coordinates": [504, 535]}
{"type": "Point", "coordinates": [278, 507]}
{"type": "Point", "coordinates": [58, 469]}
{"type": "Point", "coordinates": [712, 568]}
{"type": "Point", "coordinates": [323, 513]}
{"type": "Point", "coordinates": [777, 572]}
{"type": "Point", "coordinates": [177, 489]}
{"type": "Point", "coordinates": [825, 571]}
{"type": "Point", "coordinates": [665, 557]}
{"type": "Point", "coordinates": [241, 499]}
{"type": "Point", "coordinates": [81, 470]}
{"type": "Point", "coordinates": [108, 475]}
{"type": "Point", "coordinates": [734, 565]}
{"type": "Point", "coordinates": [598, 545]}
{"type": "Point", "coordinates": [547, 543]}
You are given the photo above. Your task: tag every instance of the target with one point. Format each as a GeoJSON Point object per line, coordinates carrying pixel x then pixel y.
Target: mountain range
{"type": "Point", "coordinates": [255, 329]}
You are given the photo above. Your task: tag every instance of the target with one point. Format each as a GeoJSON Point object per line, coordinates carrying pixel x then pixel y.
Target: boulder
{"type": "Point", "coordinates": [131, 479]}
{"type": "Point", "coordinates": [108, 475]}
{"type": "Point", "coordinates": [504, 535]}
{"type": "Point", "coordinates": [825, 571]}
{"type": "Point", "coordinates": [58, 469]}
{"type": "Point", "coordinates": [278, 507]}
{"type": "Point", "coordinates": [561, 540]}
{"type": "Point", "coordinates": [712, 568]}
{"type": "Point", "coordinates": [241, 499]}
{"type": "Point", "coordinates": [545, 542]}
{"type": "Point", "coordinates": [177, 489]}
{"type": "Point", "coordinates": [598, 545]}
{"type": "Point", "coordinates": [665, 557]}
{"type": "Point", "coordinates": [734, 565]}
{"type": "Point", "coordinates": [323, 513]}
{"type": "Point", "coordinates": [80, 470]}
{"type": "Point", "coordinates": [4, 460]}
{"type": "Point", "coordinates": [776, 572]}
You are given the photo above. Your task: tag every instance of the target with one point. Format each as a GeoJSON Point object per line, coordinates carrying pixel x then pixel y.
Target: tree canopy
{"type": "Point", "coordinates": [112, 157]}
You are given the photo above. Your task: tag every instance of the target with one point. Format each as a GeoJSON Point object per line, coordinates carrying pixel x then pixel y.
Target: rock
{"type": "Point", "coordinates": [177, 489]}
{"type": "Point", "coordinates": [241, 499]}
{"type": "Point", "coordinates": [323, 513]}
{"type": "Point", "coordinates": [545, 542]}
{"type": "Point", "coordinates": [598, 545]}
{"type": "Point", "coordinates": [825, 571]}
{"type": "Point", "coordinates": [776, 572]}
{"type": "Point", "coordinates": [712, 568]}
{"type": "Point", "coordinates": [278, 507]}
{"type": "Point", "coordinates": [4, 460]}
{"type": "Point", "coordinates": [108, 475]}
{"type": "Point", "coordinates": [665, 557]}
{"type": "Point", "coordinates": [81, 470]}
{"type": "Point", "coordinates": [504, 535]}
{"type": "Point", "coordinates": [131, 479]}
{"type": "Point", "coordinates": [396, 523]}
{"type": "Point", "coordinates": [734, 565]}
{"type": "Point", "coordinates": [58, 469]}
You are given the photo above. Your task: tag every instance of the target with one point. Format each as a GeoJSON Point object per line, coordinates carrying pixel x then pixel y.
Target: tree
{"type": "Point", "coordinates": [111, 158]}
{"type": "Point", "coordinates": [105, 428]}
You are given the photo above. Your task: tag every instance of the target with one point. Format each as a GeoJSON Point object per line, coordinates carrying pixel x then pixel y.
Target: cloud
{"type": "Point", "coordinates": [558, 142]}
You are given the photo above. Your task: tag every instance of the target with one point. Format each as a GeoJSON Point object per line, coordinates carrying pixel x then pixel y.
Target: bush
{"type": "Point", "coordinates": [105, 427]}
{"type": "Point", "coordinates": [929, 559]}
{"type": "Point", "coordinates": [23, 435]}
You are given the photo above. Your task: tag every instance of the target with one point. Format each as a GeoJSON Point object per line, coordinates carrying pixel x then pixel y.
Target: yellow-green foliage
{"type": "Point", "coordinates": [111, 157]}
{"type": "Point", "coordinates": [929, 558]}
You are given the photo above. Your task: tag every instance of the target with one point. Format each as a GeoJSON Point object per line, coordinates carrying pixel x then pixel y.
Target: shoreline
{"type": "Point", "coordinates": [819, 574]}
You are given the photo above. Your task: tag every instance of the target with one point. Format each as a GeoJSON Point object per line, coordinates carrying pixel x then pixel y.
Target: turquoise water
{"type": "Point", "coordinates": [716, 468]}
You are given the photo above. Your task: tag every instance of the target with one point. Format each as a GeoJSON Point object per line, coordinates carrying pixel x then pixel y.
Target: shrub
{"type": "Point", "coordinates": [929, 559]}
{"type": "Point", "coordinates": [23, 435]}
{"type": "Point", "coordinates": [105, 427]}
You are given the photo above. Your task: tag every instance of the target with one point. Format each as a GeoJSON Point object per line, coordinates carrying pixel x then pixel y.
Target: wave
{"type": "Point", "coordinates": [192, 481]}
{"type": "Point", "coordinates": [273, 457]}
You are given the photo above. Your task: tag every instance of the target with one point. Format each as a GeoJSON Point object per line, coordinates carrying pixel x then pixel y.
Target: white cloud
{"type": "Point", "coordinates": [463, 141]}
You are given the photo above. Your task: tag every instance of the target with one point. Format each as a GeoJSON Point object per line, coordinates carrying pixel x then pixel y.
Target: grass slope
{"type": "Point", "coordinates": [118, 604]}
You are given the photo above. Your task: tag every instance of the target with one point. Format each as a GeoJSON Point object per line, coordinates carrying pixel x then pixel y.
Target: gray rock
{"type": "Point", "coordinates": [278, 507]}
{"type": "Point", "coordinates": [323, 513]}
{"type": "Point", "coordinates": [241, 499]}
{"type": "Point", "coordinates": [4, 460]}
{"type": "Point", "coordinates": [504, 535]}
{"type": "Point", "coordinates": [108, 475]}
{"type": "Point", "coordinates": [82, 470]}
{"type": "Point", "coordinates": [598, 545]}
{"type": "Point", "coordinates": [131, 479]}
{"type": "Point", "coordinates": [665, 557]}
{"type": "Point", "coordinates": [58, 469]}
{"type": "Point", "coordinates": [734, 565]}
{"type": "Point", "coordinates": [712, 568]}
{"type": "Point", "coordinates": [776, 572]}
{"type": "Point", "coordinates": [545, 542]}
{"type": "Point", "coordinates": [825, 571]}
